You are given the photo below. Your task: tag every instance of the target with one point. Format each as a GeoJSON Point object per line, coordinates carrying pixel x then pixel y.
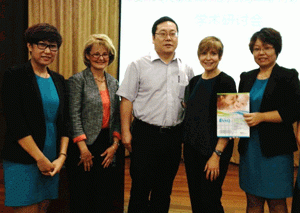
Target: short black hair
{"type": "Point", "coordinates": [43, 32]}
{"type": "Point", "coordinates": [161, 20]}
{"type": "Point", "coordinates": [269, 36]}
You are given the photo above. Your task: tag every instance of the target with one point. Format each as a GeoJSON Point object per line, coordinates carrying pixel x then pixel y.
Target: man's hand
{"type": "Point", "coordinates": [126, 118]}
{"type": "Point", "coordinates": [126, 140]}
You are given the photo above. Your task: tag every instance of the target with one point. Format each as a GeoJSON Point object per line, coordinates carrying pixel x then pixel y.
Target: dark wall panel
{"type": "Point", "coordinates": [13, 23]}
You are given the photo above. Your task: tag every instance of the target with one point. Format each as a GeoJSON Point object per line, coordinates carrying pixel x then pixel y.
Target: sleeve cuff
{"type": "Point", "coordinates": [116, 134]}
{"type": "Point", "coordinates": [79, 138]}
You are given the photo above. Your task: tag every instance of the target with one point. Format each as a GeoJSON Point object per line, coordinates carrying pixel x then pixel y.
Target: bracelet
{"type": "Point", "coordinates": [218, 152]}
{"type": "Point", "coordinates": [63, 154]}
{"type": "Point", "coordinates": [117, 143]}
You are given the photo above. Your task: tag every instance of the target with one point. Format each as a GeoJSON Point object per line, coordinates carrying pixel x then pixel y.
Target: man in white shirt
{"type": "Point", "coordinates": [153, 90]}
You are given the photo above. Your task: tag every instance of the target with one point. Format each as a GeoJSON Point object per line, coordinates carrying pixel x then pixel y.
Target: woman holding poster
{"type": "Point", "coordinates": [266, 158]}
{"type": "Point", "coordinates": [206, 156]}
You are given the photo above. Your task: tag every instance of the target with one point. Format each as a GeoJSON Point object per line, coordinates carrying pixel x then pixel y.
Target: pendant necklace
{"type": "Point", "coordinates": [101, 81]}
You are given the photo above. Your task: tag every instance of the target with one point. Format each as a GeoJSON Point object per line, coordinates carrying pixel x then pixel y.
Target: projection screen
{"type": "Point", "coordinates": [233, 21]}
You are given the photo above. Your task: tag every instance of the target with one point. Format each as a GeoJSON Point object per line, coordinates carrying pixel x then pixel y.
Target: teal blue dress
{"type": "Point", "coordinates": [24, 183]}
{"type": "Point", "coordinates": [267, 177]}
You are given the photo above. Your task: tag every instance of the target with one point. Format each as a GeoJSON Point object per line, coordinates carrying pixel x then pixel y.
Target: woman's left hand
{"type": "Point", "coordinates": [253, 119]}
{"type": "Point", "coordinates": [109, 155]}
{"type": "Point", "coordinates": [212, 168]}
{"type": "Point", "coordinates": [58, 164]}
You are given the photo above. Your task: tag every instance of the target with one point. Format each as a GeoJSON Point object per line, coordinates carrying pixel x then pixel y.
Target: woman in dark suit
{"type": "Point", "coordinates": [36, 141]}
{"type": "Point", "coordinates": [206, 156]}
{"type": "Point", "coordinates": [266, 158]}
{"type": "Point", "coordinates": [95, 120]}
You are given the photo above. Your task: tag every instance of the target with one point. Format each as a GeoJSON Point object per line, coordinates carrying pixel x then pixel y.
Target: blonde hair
{"type": "Point", "coordinates": [210, 42]}
{"type": "Point", "coordinates": [100, 39]}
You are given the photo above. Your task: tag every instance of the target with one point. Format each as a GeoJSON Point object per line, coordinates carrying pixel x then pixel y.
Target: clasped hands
{"type": "Point", "coordinates": [50, 169]}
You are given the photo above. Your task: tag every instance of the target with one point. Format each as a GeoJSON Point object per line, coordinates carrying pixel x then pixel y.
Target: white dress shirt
{"type": "Point", "coordinates": [156, 89]}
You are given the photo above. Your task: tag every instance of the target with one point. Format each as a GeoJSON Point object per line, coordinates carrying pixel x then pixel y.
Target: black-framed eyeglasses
{"type": "Point", "coordinates": [44, 46]}
{"type": "Point", "coordinates": [165, 34]}
{"type": "Point", "coordinates": [98, 55]}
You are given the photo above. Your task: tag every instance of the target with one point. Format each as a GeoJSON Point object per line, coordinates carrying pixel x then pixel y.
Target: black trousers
{"type": "Point", "coordinates": [155, 160]}
{"type": "Point", "coordinates": [91, 191]}
{"type": "Point", "coordinates": [205, 195]}
{"type": "Point", "coordinates": [296, 199]}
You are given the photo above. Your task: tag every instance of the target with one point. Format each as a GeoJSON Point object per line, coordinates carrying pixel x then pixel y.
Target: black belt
{"type": "Point", "coordinates": [160, 129]}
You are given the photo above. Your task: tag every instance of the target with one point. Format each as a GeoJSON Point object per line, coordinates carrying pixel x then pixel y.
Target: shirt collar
{"type": "Point", "coordinates": [154, 56]}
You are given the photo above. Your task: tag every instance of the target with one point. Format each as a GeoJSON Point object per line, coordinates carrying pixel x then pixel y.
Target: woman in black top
{"type": "Point", "coordinates": [35, 107]}
{"type": "Point", "coordinates": [206, 156]}
{"type": "Point", "coordinates": [266, 170]}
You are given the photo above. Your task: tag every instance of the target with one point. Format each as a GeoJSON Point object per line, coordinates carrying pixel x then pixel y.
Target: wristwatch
{"type": "Point", "coordinates": [219, 153]}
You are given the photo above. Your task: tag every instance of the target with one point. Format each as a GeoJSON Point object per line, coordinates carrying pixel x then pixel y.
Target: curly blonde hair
{"type": "Point", "coordinates": [100, 39]}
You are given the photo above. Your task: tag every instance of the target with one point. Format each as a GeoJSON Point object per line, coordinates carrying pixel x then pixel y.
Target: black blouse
{"type": "Point", "coordinates": [200, 124]}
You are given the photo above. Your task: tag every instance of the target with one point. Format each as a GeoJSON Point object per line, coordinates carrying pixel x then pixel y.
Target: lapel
{"type": "Point", "coordinates": [249, 81]}
{"type": "Point", "coordinates": [36, 90]}
{"type": "Point", "coordinates": [58, 87]}
{"type": "Point", "coordinates": [93, 88]}
{"type": "Point", "coordinates": [110, 87]}
{"type": "Point", "coordinates": [269, 91]}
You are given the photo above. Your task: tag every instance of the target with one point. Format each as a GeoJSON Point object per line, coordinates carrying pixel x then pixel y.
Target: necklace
{"type": "Point", "coordinates": [101, 81]}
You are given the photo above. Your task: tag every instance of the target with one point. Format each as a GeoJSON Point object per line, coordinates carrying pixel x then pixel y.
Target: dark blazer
{"type": "Point", "coordinates": [86, 106]}
{"type": "Point", "coordinates": [223, 84]}
{"type": "Point", "coordinates": [24, 114]}
{"type": "Point", "coordinates": [282, 93]}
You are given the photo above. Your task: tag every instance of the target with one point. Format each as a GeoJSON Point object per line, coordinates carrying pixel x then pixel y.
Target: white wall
{"type": "Point", "coordinates": [233, 21]}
